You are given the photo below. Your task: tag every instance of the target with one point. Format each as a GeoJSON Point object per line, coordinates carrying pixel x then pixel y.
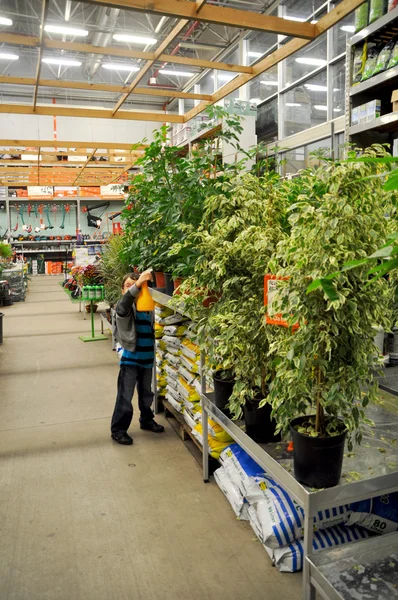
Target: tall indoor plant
{"type": "Point", "coordinates": [325, 370]}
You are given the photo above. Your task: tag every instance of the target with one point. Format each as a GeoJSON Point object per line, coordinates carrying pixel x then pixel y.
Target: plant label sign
{"type": "Point", "coordinates": [270, 288]}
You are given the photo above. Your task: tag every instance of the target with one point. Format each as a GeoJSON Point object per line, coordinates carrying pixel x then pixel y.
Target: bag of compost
{"type": "Point", "coordinates": [371, 63]}
{"type": "Point", "coordinates": [360, 53]}
{"type": "Point", "coordinates": [377, 9]}
{"type": "Point", "coordinates": [376, 514]}
{"type": "Point", "coordinates": [289, 559]}
{"type": "Point", "coordinates": [232, 494]}
{"type": "Point", "coordinates": [394, 55]}
{"type": "Point", "coordinates": [384, 57]}
{"type": "Point", "coordinates": [361, 16]}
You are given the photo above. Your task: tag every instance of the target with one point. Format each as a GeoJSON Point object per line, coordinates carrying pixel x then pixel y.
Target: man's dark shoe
{"type": "Point", "coordinates": [152, 426]}
{"type": "Point", "coordinates": [122, 438]}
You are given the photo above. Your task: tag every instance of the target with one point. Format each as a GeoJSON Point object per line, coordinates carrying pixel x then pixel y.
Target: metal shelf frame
{"type": "Point", "coordinates": [373, 84]}
{"type": "Point", "coordinates": [311, 501]}
{"type": "Point", "coordinates": [374, 27]}
{"type": "Point", "coordinates": [381, 123]}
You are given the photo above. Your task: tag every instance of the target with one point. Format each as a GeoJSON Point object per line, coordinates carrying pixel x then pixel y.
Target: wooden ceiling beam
{"type": "Point", "coordinates": [30, 41]}
{"type": "Point", "coordinates": [102, 87]}
{"type": "Point", "coordinates": [230, 17]}
{"type": "Point", "coordinates": [60, 111]}
{"type": "Point", "coordinates": [343, 9]}
{"type": "Point", "coordinates": [172, 35]}
{"type": "Point", "coordinates": [85, 165]}
{"type": "Point", "coordinates": [67, 144]}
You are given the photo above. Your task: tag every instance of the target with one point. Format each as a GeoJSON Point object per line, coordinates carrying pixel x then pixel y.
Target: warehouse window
{"type": "Point", "coordinates": [305, 105]}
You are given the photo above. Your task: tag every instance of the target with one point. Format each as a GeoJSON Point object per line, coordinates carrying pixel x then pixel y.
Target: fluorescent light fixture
{"type": "Point", "coordinates": [5, 21]}
{"type": "Point", "coordinates": [160, 24]}
{"type": "Point", "coordinates": [348, 28]}
{"type": "Point", "coordinates": [67, 62]}
{"type": "Point", "coordinates": [176, 73]}
{"type": "Point", "coordinates": [315, 62]}
{"type": "Point", "coordinates": [321, 107]}
{"type": "Point", "coordinates": [299, 19]}
{"type": "Point", "coordinates": [314, 87]}
{"type": "Point", "coordinates": [134, 39]}
{"type": "Point", "coordinates": [61, 29]}
{"type": "Point", "coordinates": [117, 67]}
{"type": "Point", "coordinates": [195, 46]}
{"type": "Point", "coordinates": [8, 56]}
{"type": "Point", "coordinates": [255, 54]}
{"type": "Point", "coordinates": [255, 100]}
{"type": "Point", "coordinates": [337, 109]}
{"type": "Point", "coordinates": [270, 83]}
{"type": "Point", "coordinates": [292, 104]}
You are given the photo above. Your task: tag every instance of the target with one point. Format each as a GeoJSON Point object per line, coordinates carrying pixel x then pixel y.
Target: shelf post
{"type": "Point", "coordinates": [205, 419]}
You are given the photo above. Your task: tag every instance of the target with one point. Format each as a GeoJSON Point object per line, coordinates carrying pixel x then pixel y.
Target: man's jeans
{"type": "Point", "coordinates": [129, 377]}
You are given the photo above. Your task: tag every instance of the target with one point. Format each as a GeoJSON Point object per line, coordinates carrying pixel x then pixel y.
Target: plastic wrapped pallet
{"type": "Point", "coordinates": [171, 341]}
{"type": "Point", "coordinates": [379, 515]}
{"type": "Point", "coordinates": [188, 419]}
{"type": "Point", "coordinates": [192, 366]}
{"type": "Point", "coordinates": [232, 494]}
{"type": "Point", "coordinates": [174, 403]}
{"type": "Point", "coordinates": [187, 391]}
{"type": "Point", "coordinates": [158, 331]}
{"type": "Point", "coordinates": [218, 433]}
{"type": "Point", "coordinates": [175, 330]}
{"type": "Point", "coordinates": [190, 349]}
{"type": "Point", "coordinates": [290, 558]}
{"type": "Point", "coordinates": [172, 359]}
{"type": "Point", "coordinates": [173, 319]}
{"type": "Point", "coordinates": [215, 447]}
{"type": "Point", "coordinates": [187, 375]}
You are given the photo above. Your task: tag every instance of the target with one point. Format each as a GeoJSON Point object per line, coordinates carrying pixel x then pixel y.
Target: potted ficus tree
{"type": "Point", "coordinates": [240, 229]}
{"type": "Point", "coordinates": [325, 372]}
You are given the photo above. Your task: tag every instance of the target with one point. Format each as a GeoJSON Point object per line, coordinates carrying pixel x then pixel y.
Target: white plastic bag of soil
{"type": "Point", "coordinates": [379, 515]}
{"type": "Point", "coordinates": [173, 359]}
{"type": "Point", "coordinates": [290, 558]}
{"type": "Point", "coordinates": [174, 342]}
{"type": "Point", "coordinates": [173, 319]}
{"type": "Point", "coordinates": [174, 403]}
{"type": "Point", "coordinates": [232, 494]}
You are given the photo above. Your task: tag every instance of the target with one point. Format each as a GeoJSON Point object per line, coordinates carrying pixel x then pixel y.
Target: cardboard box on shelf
{"type": "Point", "coordinates": [373, 110]}
{"type": "Point", "coordinates": [394, 100]}
{"type": "Point", "coordinates": [355, 116]}
{"type": "Point", "coordinates": [362, 113]}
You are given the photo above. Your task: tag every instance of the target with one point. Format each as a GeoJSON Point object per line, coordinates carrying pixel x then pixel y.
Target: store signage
{"type": "Point", "coordinates": [270, 288]}
{"type": "Point", "coordinates": [65, 192]}
{"type": "Point", "coordinates": [111, 191]}
{"type": "Point", "coordinates": [40, 191]}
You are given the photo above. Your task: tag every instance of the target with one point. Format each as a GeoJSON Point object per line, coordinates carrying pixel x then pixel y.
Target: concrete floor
{"type": "Point", "coordinates": [82, 518]}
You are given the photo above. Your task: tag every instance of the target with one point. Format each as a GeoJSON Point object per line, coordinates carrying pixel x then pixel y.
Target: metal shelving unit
{"type": "Point", "coordinates": [277, 465]}
{"type": "Point", "coordinates": [331, 570]}
{"type": "Point", "coordinates": [384, 128]}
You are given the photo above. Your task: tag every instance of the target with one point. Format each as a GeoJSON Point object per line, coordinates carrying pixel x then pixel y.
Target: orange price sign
{"type": "Point", "coordinates": [270, 289]}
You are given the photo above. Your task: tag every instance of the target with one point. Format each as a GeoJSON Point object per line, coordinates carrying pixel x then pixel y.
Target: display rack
{"type": "Point", "coordinates": [278, 464]}
{"type": "Point", "coordinates": [380, 87]}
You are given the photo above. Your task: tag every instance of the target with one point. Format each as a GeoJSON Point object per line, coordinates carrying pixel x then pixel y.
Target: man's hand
{"type": "Point", "coordinates": [145, 276]}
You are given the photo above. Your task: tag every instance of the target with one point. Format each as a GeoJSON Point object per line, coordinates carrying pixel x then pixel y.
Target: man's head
{"type": "Point", "coordinates": [128, 281]}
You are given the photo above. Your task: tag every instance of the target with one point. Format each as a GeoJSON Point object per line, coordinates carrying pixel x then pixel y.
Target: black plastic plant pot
{"type": "Point", "coordinates": [259, 425]}
{"type": "Point", "coordinates": [222, 391]}
{"type": "Point", "coordinates": [318, 461]}
{"type": "Point", "coordinates": [169, 284]}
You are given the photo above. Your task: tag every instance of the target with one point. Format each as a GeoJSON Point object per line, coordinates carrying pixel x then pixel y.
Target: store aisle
{"type": "Point", "coordinates": [83, 518]}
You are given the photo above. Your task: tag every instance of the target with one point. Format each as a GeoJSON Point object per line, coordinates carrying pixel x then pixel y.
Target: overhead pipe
{"type": "Point", "coordinates": [107, 19]}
